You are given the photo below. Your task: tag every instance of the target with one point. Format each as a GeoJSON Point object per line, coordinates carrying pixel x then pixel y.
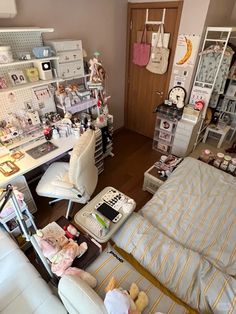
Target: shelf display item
{"type": "Point", "coordinates": [163, 147]}
{"type": "Point", "coordinates": [32, 74]}
{"type": "Point", "coordinates": [218, 160]}
{"type": "Point", "coordinates": [165, 136]}
{"type": "Point", "coordinates": [166, 125]}
{"type": "Point", "coordinates": [206, 156]}
{"type": "Point", "coordinates": [42, 52]}
{"type": "Point", "coordinates": [97, 72]}
{"type": "Point", "coordinates": [5, 54]}
{"type": "Point", "coordinates": [177, 95]}
{"type": "Point", "coordinates": [232, 165]}
{"type": "Point", "coordinates": [225, 163]}
{"type": "Point", "coordinates": [17, 77]}
{"type": "Point", "coordinates": [44, 69]}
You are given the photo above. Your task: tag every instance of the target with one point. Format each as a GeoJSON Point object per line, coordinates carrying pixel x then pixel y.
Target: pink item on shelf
{"type": "Point", "coordinates": [9, 207]}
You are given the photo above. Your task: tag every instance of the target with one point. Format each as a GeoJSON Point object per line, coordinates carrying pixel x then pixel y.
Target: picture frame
{"type": "Point", "coordinates": [17, 77]}
{"type": "Point", "coordinates": [166, 125]}
{"type": "Point", "coordinates": [165, 136]}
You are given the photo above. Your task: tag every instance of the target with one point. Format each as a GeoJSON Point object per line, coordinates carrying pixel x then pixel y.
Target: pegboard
{"type": "Point", "coordinates": [20, 42]}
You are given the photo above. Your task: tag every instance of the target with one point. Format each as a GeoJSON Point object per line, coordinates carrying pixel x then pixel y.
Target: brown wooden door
{"type": "Point", "coordinates": [145, 90]}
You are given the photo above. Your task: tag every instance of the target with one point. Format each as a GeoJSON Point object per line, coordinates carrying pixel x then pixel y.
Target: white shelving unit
{"type": "Point", "coordinates": [21, 40]}
{"type": "Point", "coordinates": [213, 35]}
{"type": "Point", "coordinates": [164, 137]}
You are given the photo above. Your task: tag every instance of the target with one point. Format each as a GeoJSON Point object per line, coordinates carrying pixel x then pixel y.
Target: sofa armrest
{"type": "Point", "coordinates": [78, 297]}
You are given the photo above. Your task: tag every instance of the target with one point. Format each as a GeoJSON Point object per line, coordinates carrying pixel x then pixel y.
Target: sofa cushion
{"type": "Point", "coordinates": [111, 264]}
{"type": "Point", "coordinates": [22, 290]}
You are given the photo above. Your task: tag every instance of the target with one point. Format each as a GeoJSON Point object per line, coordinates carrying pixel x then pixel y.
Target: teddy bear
{"type": "Point", "coordinates": [120, 301]}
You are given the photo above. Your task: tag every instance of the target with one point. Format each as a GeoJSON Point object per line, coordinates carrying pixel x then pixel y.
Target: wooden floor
{"type": "Point", "coordinates": [133, 156]}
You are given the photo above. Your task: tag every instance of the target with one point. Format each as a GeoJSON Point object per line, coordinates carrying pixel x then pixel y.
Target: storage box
{"type": "Point", "coordinates": [65, 44]}
{"type": "Point", "coordinates": [71, 69]}
{"type": "Point", "coordinates": [70, 56]}
{"type": "Point", "coordinates": [152, 180]}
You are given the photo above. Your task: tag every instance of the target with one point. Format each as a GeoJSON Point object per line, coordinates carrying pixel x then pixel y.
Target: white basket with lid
{"type": "Point", "coordinates": [5, 54]}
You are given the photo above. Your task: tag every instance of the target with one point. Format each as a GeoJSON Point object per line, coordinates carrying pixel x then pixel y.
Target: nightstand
{"type": "Point", "coordinates": [152, 180]}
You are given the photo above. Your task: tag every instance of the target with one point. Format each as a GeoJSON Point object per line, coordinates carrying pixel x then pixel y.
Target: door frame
{"type": "Point", "coordinates": [150, 5]}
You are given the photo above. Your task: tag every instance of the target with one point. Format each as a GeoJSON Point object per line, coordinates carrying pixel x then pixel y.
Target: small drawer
{"type": "Point", "coordinates": [161, 146]}
{"type": "Point", "coordinates": [151, 184]}
{"type": "Point", "coordinates": [72, 69]}
{"type": "Point", "coordinates": [70, 56]}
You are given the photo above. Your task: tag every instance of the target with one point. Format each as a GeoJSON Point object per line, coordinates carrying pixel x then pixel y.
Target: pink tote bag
{"type": "Point", "coordinates": [141, 51]}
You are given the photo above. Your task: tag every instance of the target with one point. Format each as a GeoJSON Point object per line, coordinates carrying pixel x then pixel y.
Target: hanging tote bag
{"type": "Point", "coordinates": [158, 61]}
{"type": "Point", "coordinates": [141, 51]}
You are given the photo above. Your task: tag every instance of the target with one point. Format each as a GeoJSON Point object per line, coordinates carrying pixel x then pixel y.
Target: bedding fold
{"type": "Point", "coordinates": [185, 272]}
{"type": "Point", "coordinates": [196, 207]}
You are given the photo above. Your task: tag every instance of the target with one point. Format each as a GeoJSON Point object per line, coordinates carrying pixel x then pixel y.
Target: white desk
{"type": "Point", "coordinates": [28, 163]}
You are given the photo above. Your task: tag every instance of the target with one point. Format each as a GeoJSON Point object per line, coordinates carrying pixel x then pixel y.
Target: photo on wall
{"type": "Point", "coordinates": [17, 77]}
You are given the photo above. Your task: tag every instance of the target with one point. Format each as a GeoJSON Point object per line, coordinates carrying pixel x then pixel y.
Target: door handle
{"type": "Point", "coordinates": [159, 93]}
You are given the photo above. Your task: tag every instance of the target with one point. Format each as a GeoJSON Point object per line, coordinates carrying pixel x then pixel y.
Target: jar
{"type": "Point", "coordinates": [225, 163]}
{"type": "Point", "coordinates": [218, 160]}
{"type": "Point", "coordinates": [206, 155]}
{"type": "Point", "coordinates": [5, 54]}
{"type": "Point", "coordinates": [232, 165]}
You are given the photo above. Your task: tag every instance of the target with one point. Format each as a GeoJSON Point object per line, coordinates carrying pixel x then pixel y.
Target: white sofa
{"type": "Point", "coordinates": [22, 290]}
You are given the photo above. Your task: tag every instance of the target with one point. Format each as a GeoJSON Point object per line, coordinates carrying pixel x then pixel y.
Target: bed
{"type": "Point", "coordinates": [186, 236]}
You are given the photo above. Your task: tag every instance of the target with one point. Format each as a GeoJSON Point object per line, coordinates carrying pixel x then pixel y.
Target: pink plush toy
{"type": "Point", "coordinates": [62, 252]}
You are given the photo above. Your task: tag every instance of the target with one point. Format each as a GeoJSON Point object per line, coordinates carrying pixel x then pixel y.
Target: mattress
{"type": "Point", "coordinates": [186, 236]}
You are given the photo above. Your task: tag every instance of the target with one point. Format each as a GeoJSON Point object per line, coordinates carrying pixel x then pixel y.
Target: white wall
{"type": "Point", "coordinates": [219, 13]}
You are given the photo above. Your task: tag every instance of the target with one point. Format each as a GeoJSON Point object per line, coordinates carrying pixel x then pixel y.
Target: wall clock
{"type": "Point", "coordinates": [177, 95]}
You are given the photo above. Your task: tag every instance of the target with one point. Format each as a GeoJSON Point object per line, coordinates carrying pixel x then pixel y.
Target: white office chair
{"type": "Point", "coordinates": [74, 181]}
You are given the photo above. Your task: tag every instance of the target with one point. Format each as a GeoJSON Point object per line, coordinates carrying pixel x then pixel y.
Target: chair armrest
{"type": "Point", "coordinates": [78, 297]}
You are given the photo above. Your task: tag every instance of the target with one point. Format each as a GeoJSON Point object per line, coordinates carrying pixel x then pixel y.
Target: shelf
{"type": "Point", "coordinates": [29, 85]}
{"type": "Point", "coordinates": [20, 62]}
{"type": "Point", "coordinates": [74, 77]}
{"type": "Point", "coordinates": [83, 105]}
{"type": "Point", "coordinates": [25, 29]}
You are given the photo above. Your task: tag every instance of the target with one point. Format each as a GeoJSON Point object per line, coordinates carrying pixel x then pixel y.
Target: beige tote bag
{"type": "Point", "coordinates": [158, 62]}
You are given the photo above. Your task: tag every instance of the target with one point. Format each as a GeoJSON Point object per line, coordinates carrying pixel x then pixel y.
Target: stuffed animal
{"type": "Point", "coordinates": [62, 252]}
{"type": "Point", "coordinates": [120, 301]}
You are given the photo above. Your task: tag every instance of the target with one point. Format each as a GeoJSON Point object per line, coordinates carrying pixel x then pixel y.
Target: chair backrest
{"type": "Point", "coordinates": [82, 170]}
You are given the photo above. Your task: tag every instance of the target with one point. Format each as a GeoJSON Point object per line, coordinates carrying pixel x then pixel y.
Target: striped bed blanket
{"type": "Point", "coordinates": [186, 236]}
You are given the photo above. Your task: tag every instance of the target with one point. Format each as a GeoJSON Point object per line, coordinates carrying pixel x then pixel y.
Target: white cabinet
{"type": "Point", "coordinates": [22, 186]}
{"type": "Point", "coordinates": [185, 137]}
{"type": "Point", "coordinates": [70, 64]}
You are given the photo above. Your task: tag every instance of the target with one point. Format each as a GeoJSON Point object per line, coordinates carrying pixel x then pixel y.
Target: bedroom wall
{"type": "Point", "coordinates": [100, 24]}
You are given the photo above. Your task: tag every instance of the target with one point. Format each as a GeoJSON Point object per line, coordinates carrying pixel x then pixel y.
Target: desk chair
{"type": "Point", "coordinates": [74, 181]}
